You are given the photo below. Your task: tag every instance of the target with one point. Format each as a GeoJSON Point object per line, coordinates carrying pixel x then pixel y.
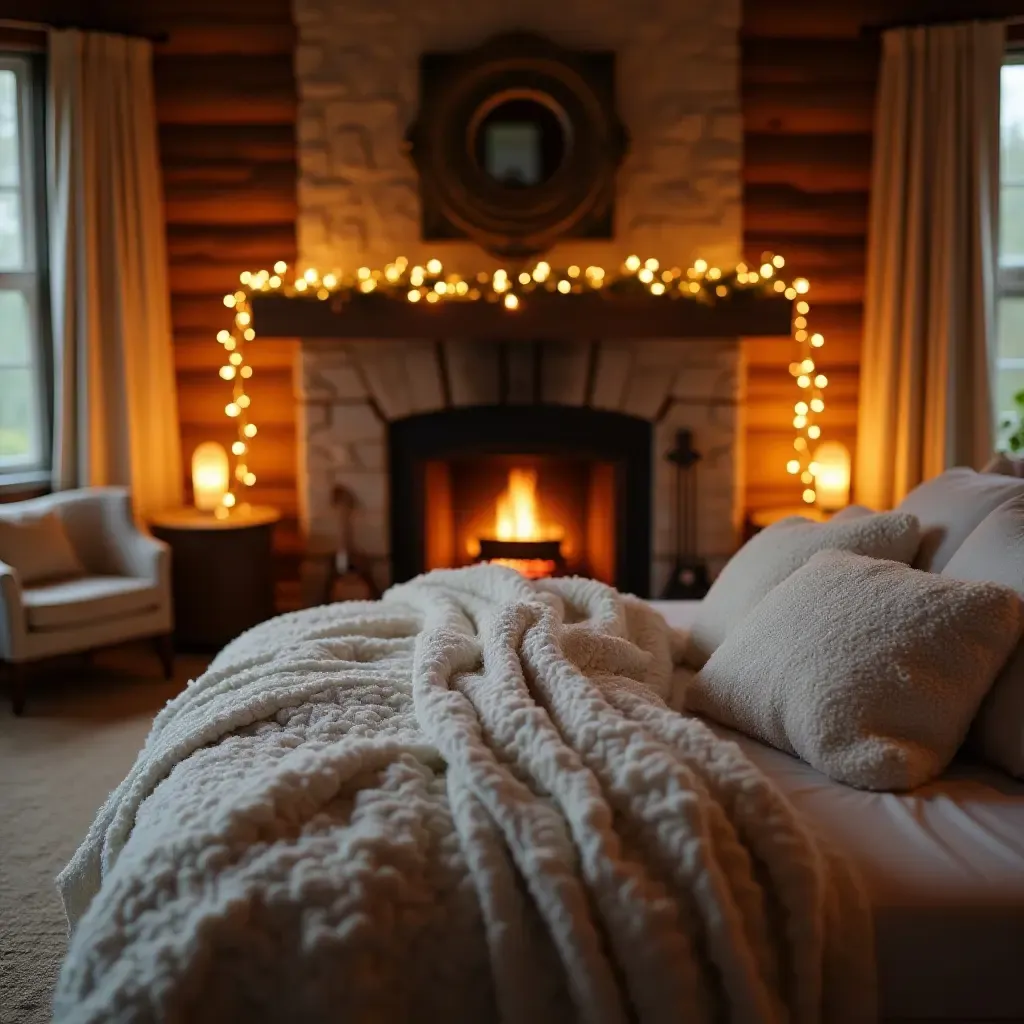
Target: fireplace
{"type": "Point", "coordinates": [421, 411]}
{"type": "Point", "coordinates": [545, 488]}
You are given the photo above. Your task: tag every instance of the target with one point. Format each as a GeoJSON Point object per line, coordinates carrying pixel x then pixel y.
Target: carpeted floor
{"type": "Point", "coordinates": [79, 736]}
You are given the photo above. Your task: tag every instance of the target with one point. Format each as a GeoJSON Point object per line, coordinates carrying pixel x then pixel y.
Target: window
{"type": "Point", "coordinates": [24, 398]}
{"type": "Point", "coordinates": [1010, 359]}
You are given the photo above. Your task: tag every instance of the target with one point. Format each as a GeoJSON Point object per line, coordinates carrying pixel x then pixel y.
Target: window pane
{"type": "Point", "coordinates": [1011, 328]}
{"type": "Point", "coordinates": [12, 252]}
{"type": "Point", "coordinates": [1012, 122]}
{"type": "Point", "coordinates": [1008, 383]}
{"type": "Point", "coordinates": [15, 332]}
{"type": "Point", "coordinates": [1011, 230]}
{"type": "Point", "coordinates": [18, 418]}
{"type": "Point", "coordinates": [9, 172]}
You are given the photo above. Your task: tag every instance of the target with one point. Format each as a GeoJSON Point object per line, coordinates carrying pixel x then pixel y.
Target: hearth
{"type": "Point", "coordinates": [546, 489]}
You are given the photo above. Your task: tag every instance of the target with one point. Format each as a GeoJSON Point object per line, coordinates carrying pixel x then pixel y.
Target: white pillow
{"type": "Point", "coordinates": [771, 555]}
{"type": "Point", "coordinates": [995, 552]}
{"type": "Point", "coordinates": [869, 670]}
{"type": "Point", "coordinates": [952, 504]}
{"type": "Point", "coordinates": [38, 547]}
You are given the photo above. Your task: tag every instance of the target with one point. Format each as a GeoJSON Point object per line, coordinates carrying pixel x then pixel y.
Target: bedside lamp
{"type": "Point", "coordinates": [832, 476]}
{"type": "Point", "coordinates": [209, 475]}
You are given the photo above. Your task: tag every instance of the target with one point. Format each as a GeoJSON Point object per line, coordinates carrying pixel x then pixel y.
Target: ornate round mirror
{"type": "Point", "coordinates": [517, 145]}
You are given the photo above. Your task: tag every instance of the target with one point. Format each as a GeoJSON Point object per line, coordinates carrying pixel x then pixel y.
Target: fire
{"type": "Point", "coordinates": [517, 519]}
{"type": "Point", "coordinates": [517, 508]}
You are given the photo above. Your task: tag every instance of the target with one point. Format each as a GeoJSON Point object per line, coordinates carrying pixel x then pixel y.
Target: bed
{"type": "Point", "coordinates": [167, 914]}
{"type": "Point", "coordinates": [944, 869]}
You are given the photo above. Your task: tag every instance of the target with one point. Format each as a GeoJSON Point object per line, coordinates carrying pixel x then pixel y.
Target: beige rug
{"type": "Point", "coordinates": [80, 733]}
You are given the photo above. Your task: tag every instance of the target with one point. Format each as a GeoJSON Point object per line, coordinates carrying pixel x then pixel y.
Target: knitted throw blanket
{"type": "Point", "coordinates": [470, 801]}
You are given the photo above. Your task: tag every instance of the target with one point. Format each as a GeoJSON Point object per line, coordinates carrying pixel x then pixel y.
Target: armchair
{"type": "Point", "coordinates": [124, 594]}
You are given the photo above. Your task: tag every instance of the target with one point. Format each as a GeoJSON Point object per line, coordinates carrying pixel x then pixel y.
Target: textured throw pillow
{"type": "Point", "coordinates": [950, 506]}
{"type": "Point", "coordinates": [771, 555]}
{"type": "Point", "coordinates": [38, 548]}
{"type": "Point", "coordinates": [869, 670]}
{"type": "Point", "coordinates": [994, 552]}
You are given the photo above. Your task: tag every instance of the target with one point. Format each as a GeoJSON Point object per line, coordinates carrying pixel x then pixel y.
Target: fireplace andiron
{"type": "Point", "coordinates": [689, 580]}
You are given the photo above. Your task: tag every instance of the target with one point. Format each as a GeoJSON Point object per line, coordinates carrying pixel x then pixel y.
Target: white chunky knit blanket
{"type": "Point", "coordinates": [468, 802]}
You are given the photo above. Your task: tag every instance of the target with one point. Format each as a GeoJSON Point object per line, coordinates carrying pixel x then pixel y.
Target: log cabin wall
{"type": "Point", "coordinates": [226, 106]}
{"type": "Point", "coordinates": [809, 72]}
{"type": "Point", "coordinates": [225, 96]}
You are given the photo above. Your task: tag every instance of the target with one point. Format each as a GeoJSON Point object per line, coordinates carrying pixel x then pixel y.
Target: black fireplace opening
{"type": "Point", "coordinates": [546, 489]}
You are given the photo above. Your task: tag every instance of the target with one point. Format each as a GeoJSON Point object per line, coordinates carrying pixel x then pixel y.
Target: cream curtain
{"type": "Point", "coordinates": [115, 415]}
{"type": "Point", "coordinates": [926, 363]}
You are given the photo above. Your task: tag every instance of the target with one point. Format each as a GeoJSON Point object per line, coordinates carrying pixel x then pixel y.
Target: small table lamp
{"type": "Point", "coordinates": [209, 476]}
{"type": "Point", "coordinates": [832, 476]}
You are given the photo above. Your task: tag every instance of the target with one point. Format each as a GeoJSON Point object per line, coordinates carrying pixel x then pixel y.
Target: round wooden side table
{"type": "Point", "coordinates": [221, 570]}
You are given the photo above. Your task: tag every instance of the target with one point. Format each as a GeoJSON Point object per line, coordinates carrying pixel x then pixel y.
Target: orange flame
{"type": "Point", "coordinates": [517, 508]}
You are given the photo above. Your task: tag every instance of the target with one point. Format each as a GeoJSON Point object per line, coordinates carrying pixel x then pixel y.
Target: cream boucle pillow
{"type": "Point", "coordinates": [995, 552]}
{"type": "Point", "coordinates": [869, 670]}
{"type": "Point", "coordinates": [38, 547]}
{"type": "Point", "coordinates": [771, 555]}
{"type": "Point", "coordinates": [950, 506]}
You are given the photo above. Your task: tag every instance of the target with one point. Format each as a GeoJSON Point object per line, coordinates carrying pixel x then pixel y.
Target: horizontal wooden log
{"type": "Point", "coordinates": [811, 163]}
{"type": "Point", "coordinates": [205, 39]}
{"type": "Point", "coordinates": [202, 352]}
{"type": "Point", "coordinates": [249, 245]}
{"type": "Point", "coordinates": [828, 318]}
{"type": "Point", "coordinates": [273, 455]}
{"type": "Point", "coordinates": [226, 204]}
{"type": "Point", "coordinates": [840, 349]}
{"type": "Point", "coordinates": [782, 61]}
{"type": "Point", "coordinates": [225, 74]}
{"type": "Point", "coordinates": [202, 398]}
{"type": "Point", "coordinates": [827, 109]}
{"type": "Point", "coordinates": [234, 174]}
{"type": "Point", "coordinates": [805, 255]}
{"type": "Point", "coordinates": [204, 277]}
{"type": "Point", "coordinates": [236, 143]}
{"type": "Point", "coordinates": [776, 414]}
{"type": "Point", "coordinates": [194, 105]}
{"type": "Point", "coordinates": [784, 210]}
{"type": "Point", "coordinates": [194, 314]}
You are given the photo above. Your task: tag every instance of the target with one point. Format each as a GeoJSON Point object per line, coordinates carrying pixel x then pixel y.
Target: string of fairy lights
{"type": "Point", "coordinates": [430, 284]}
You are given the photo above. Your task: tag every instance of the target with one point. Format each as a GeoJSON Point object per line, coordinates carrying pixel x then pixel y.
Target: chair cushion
{"type": "Point", "coordinates": [71, 604]}
{"type": "Point", "coordinates": [38, 547]}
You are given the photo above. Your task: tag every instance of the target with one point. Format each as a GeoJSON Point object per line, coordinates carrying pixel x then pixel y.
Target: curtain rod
{"type": "Point", "coordinates": [64, 24]}
{"type": "Point", "coordinates": [885, 26]}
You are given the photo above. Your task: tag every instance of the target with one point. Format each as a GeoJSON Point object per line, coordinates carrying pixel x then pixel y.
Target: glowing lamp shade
{"type": "Point", "coordinates": [209, 475]}
{"type": "Point", "coordinates": [832, 481]}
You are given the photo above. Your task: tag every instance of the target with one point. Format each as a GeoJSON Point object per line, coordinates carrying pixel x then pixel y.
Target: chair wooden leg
{"type": "Point", "coordinates": [165, 650]}
{"type": "Point", "coordinates": [19, 674]}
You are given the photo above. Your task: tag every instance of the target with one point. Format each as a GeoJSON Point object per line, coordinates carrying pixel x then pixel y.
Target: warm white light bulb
{"type": "Point", "coordinates": [511, 302]}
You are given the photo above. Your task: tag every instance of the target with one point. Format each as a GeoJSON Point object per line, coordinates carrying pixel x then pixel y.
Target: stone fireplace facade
{"type": "Point", "coordinates": [678, 197]}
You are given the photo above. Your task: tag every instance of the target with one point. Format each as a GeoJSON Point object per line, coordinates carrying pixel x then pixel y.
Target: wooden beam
{"type": "Point", "coordinates": [540, 315]}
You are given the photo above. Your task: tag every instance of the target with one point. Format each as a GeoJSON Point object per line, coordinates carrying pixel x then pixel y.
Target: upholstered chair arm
{"type": "Point", "coordinates": [103, 530]}
{"type": "Point", "coordinates": [132, 552]}
{"type": "Point", "coordinates": [12, 615]}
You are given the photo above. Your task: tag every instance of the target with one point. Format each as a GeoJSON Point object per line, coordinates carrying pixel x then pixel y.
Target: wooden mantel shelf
{"type": "Point", "coordinates": [540, 315]}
